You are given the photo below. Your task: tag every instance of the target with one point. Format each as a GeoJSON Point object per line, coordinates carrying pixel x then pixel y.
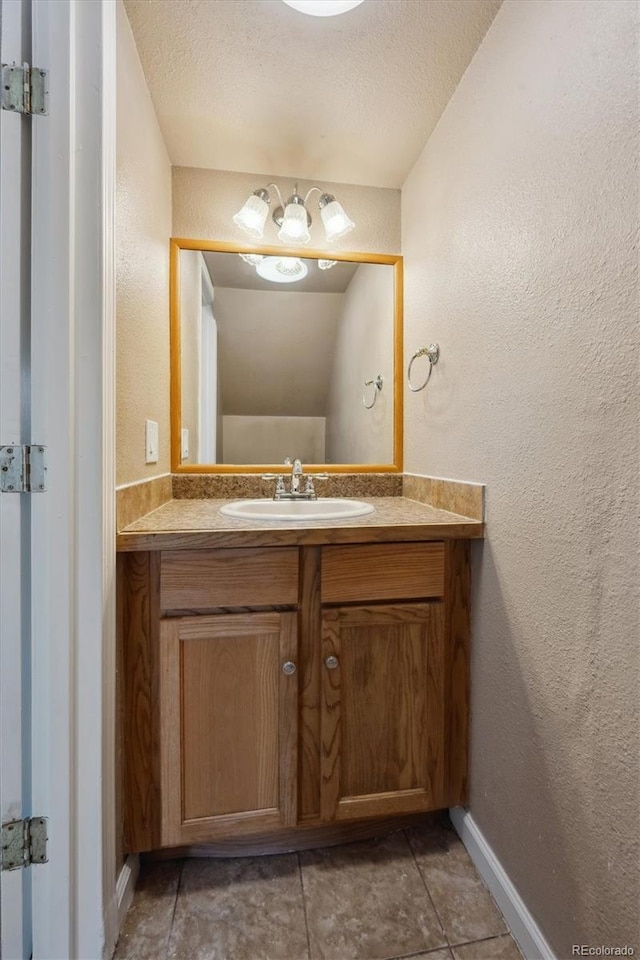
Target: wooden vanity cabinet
{"type": "Point", "coordinates": [277, 689]}
{"type": "Point", "coordinates": [228, 725]}
{"type": "Point", "coordinates": [383, 669]}
{"type": "Point", "coordinates": [382, 731]}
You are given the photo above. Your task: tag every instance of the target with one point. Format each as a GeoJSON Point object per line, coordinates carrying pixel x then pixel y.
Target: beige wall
{"type": "Point", "coordinates": [363, 349]}
{"type": "Point", "coordinates": [143, 226]}
{"type": "Point", "coordinates": [204, 202]}
{"type": "Point", "coordinates": [275, 350]}
{"type": "Point", "coordinates": [271, 439]}
{"type": "Point", "coordinates": [518, 221]}
{"type": "Point", "coordinates": [190, 344]}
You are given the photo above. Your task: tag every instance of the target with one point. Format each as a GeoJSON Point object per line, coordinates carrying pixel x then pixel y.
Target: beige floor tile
{"type": "Point", "coordinates": [500, 948]}
{"type": "Point", "coordinates": [145, 933]}
{"type": "Point", "coordinates": [366, 901]}
{"type": "Point", "coordinates": [464, 904]}
{"type": "Point", "coordinates": [248, 908]}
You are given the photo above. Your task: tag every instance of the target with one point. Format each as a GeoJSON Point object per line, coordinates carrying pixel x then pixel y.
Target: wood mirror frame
{"type": "Point", "coordinates": [178, 244]}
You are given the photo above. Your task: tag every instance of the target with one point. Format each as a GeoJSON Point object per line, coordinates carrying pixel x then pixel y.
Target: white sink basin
{"type": "Point", "coordinates": [325, 509]}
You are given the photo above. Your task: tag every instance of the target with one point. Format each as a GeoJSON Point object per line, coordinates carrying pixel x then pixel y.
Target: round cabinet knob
{"type": "Point", "coordinates": [288, 667]}
{"type": "Point", "coordinates": [331, 663]}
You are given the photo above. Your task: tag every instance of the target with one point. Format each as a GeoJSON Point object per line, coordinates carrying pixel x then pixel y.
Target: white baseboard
{"type": "Point", "coordinates": [126, 885]}
{"type": "Point", "coordinates": [524, 928]}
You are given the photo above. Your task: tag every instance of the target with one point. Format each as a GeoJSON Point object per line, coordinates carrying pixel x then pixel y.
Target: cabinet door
{"type": "Point", "coordinates": [383, 726]}
{"type": "Point", "coordinates": [228, 725]}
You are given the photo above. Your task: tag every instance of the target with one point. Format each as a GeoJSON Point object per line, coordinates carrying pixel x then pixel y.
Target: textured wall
{"type": "Point", "coordinates": [363, 349]}
{"type": "Point", "coordinates": [275, 349]}
{"type": "Point", "coordinates": [204, 202]}
{"type": "Point", "coordinates": [143, 227]}
{"type": "Point", "coordinates": [518, 227]}
{"type": "Point", "coordinates": [271, 439]}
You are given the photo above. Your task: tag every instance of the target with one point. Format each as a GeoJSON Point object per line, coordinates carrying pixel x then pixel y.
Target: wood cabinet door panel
{"type": "Point", "coordinates": [383, 710]}
{"type": "Point", "coordinates": [229, 725]}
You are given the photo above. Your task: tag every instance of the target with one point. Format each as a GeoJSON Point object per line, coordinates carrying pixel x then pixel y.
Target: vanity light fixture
{"type": "Point", "coordinates": [326, 264]}
{"type": "Point", "coordinates": [292, 217]}
{"type": "Point", "coordinates": [323, 8]}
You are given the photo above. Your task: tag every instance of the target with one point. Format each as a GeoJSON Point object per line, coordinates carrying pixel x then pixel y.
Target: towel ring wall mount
{"type": "Point", "coordinates": [433, 353]}
{"type": "Point", "coordinates": [377, 383]}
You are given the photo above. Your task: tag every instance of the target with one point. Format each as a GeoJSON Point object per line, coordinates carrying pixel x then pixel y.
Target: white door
{"type": "Point", "coordinates": [208, 390]}
{"type": "Point", "coordinates": [57, 613]}
{"type": "Point", "coordinates": [208, 405]}
{"type": "Point", "coordinates": [15, 187]}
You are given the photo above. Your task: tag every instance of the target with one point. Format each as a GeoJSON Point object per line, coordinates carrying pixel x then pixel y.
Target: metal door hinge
{"type": "Point", "coordinates": [23, 468]}
{"type": "Point", "coordinates": [24, 89]}
{"type": "Point", "coordinates": [24, 842]}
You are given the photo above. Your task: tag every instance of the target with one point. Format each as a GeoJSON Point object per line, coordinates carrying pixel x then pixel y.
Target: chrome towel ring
{"type": "Point", "coordinates": [377, 383]}
{"type": "Point", "coordinates": [433, 353]}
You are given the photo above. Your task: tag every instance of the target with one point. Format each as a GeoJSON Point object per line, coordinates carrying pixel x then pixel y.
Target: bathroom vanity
{"type": "Point", "coordinates": [286, 682]}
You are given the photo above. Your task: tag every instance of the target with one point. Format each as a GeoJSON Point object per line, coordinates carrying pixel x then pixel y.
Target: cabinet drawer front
{"type": "Point", "coordinates": [387, 571]}
{"type": "Point", "coordinates": [199, 579]}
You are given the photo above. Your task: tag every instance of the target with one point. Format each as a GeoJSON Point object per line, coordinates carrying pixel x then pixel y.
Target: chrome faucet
{"type": "Point", "coordinates": [296, 473]}
{"type": "Point", "coordinates": [297, 476]}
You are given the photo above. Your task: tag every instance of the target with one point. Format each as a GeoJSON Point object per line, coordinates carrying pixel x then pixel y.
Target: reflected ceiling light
{"type": "Point", "coordinates": [323, 8]}
{"type": "Point", "coordinates": [292, 217]}
{"type": "Point", "coordinates": [252, 258]}
{"type": "Point", "coordinates": [282, 269]}
{"type": "Point", "coordinates": [326, 264]}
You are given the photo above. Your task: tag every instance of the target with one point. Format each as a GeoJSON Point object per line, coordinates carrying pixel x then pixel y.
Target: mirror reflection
{"type": "Point", "coordinates": [285, 356]}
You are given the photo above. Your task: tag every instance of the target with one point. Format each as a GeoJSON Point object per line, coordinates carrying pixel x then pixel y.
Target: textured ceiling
{"type": "Point", "coordinates": [253, 85]}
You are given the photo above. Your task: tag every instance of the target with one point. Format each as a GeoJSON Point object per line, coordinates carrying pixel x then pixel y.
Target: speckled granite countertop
{"type": "Point", "coordinates": [198, 524]}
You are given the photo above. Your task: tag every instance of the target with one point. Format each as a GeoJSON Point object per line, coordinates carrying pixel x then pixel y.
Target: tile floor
{"type": "Point", "coordinates": [414, 893]}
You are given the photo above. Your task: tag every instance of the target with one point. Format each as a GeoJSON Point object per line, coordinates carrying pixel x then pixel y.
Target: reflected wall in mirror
{"type": "Point", "coordinates": [280, 354]}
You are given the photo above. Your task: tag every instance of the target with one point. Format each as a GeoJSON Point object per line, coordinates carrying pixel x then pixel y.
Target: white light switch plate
{"type": "Point", "coordinates": [151, 441]}
{"type": "Point", "coordinates": [184, 434]}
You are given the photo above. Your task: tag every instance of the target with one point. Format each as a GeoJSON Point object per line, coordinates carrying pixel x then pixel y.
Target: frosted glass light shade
{"type": "Point", "coordinates": [252, 217]}
{"type": "Point", "coordinates": [323, 8]}
{"type": "Point", "coordinates": [294, 227]}
{"type": "Point", "coordinates": [252, 258]}
{"type": "Point", "coordinates": [336, 222]}
{"type": "Point", "coordinates": [326, 264]}
{"type": "Point", "coordinates": [282, 269]}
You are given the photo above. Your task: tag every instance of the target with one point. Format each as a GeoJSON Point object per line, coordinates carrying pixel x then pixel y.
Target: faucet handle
{"type": "Point", "coordinates": [309, 487]}
{"type": "Point", "coordinates": [279, 479]}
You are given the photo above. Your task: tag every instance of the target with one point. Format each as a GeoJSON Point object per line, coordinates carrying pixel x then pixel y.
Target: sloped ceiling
{"type": "Point", "coordinates": [229, 270]}
{"type": "Point", "coordinates": [253, 85]}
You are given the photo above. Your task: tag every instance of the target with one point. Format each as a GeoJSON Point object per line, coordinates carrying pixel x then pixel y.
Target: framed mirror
{"type": "Point", "coordinates": [277, 352]}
